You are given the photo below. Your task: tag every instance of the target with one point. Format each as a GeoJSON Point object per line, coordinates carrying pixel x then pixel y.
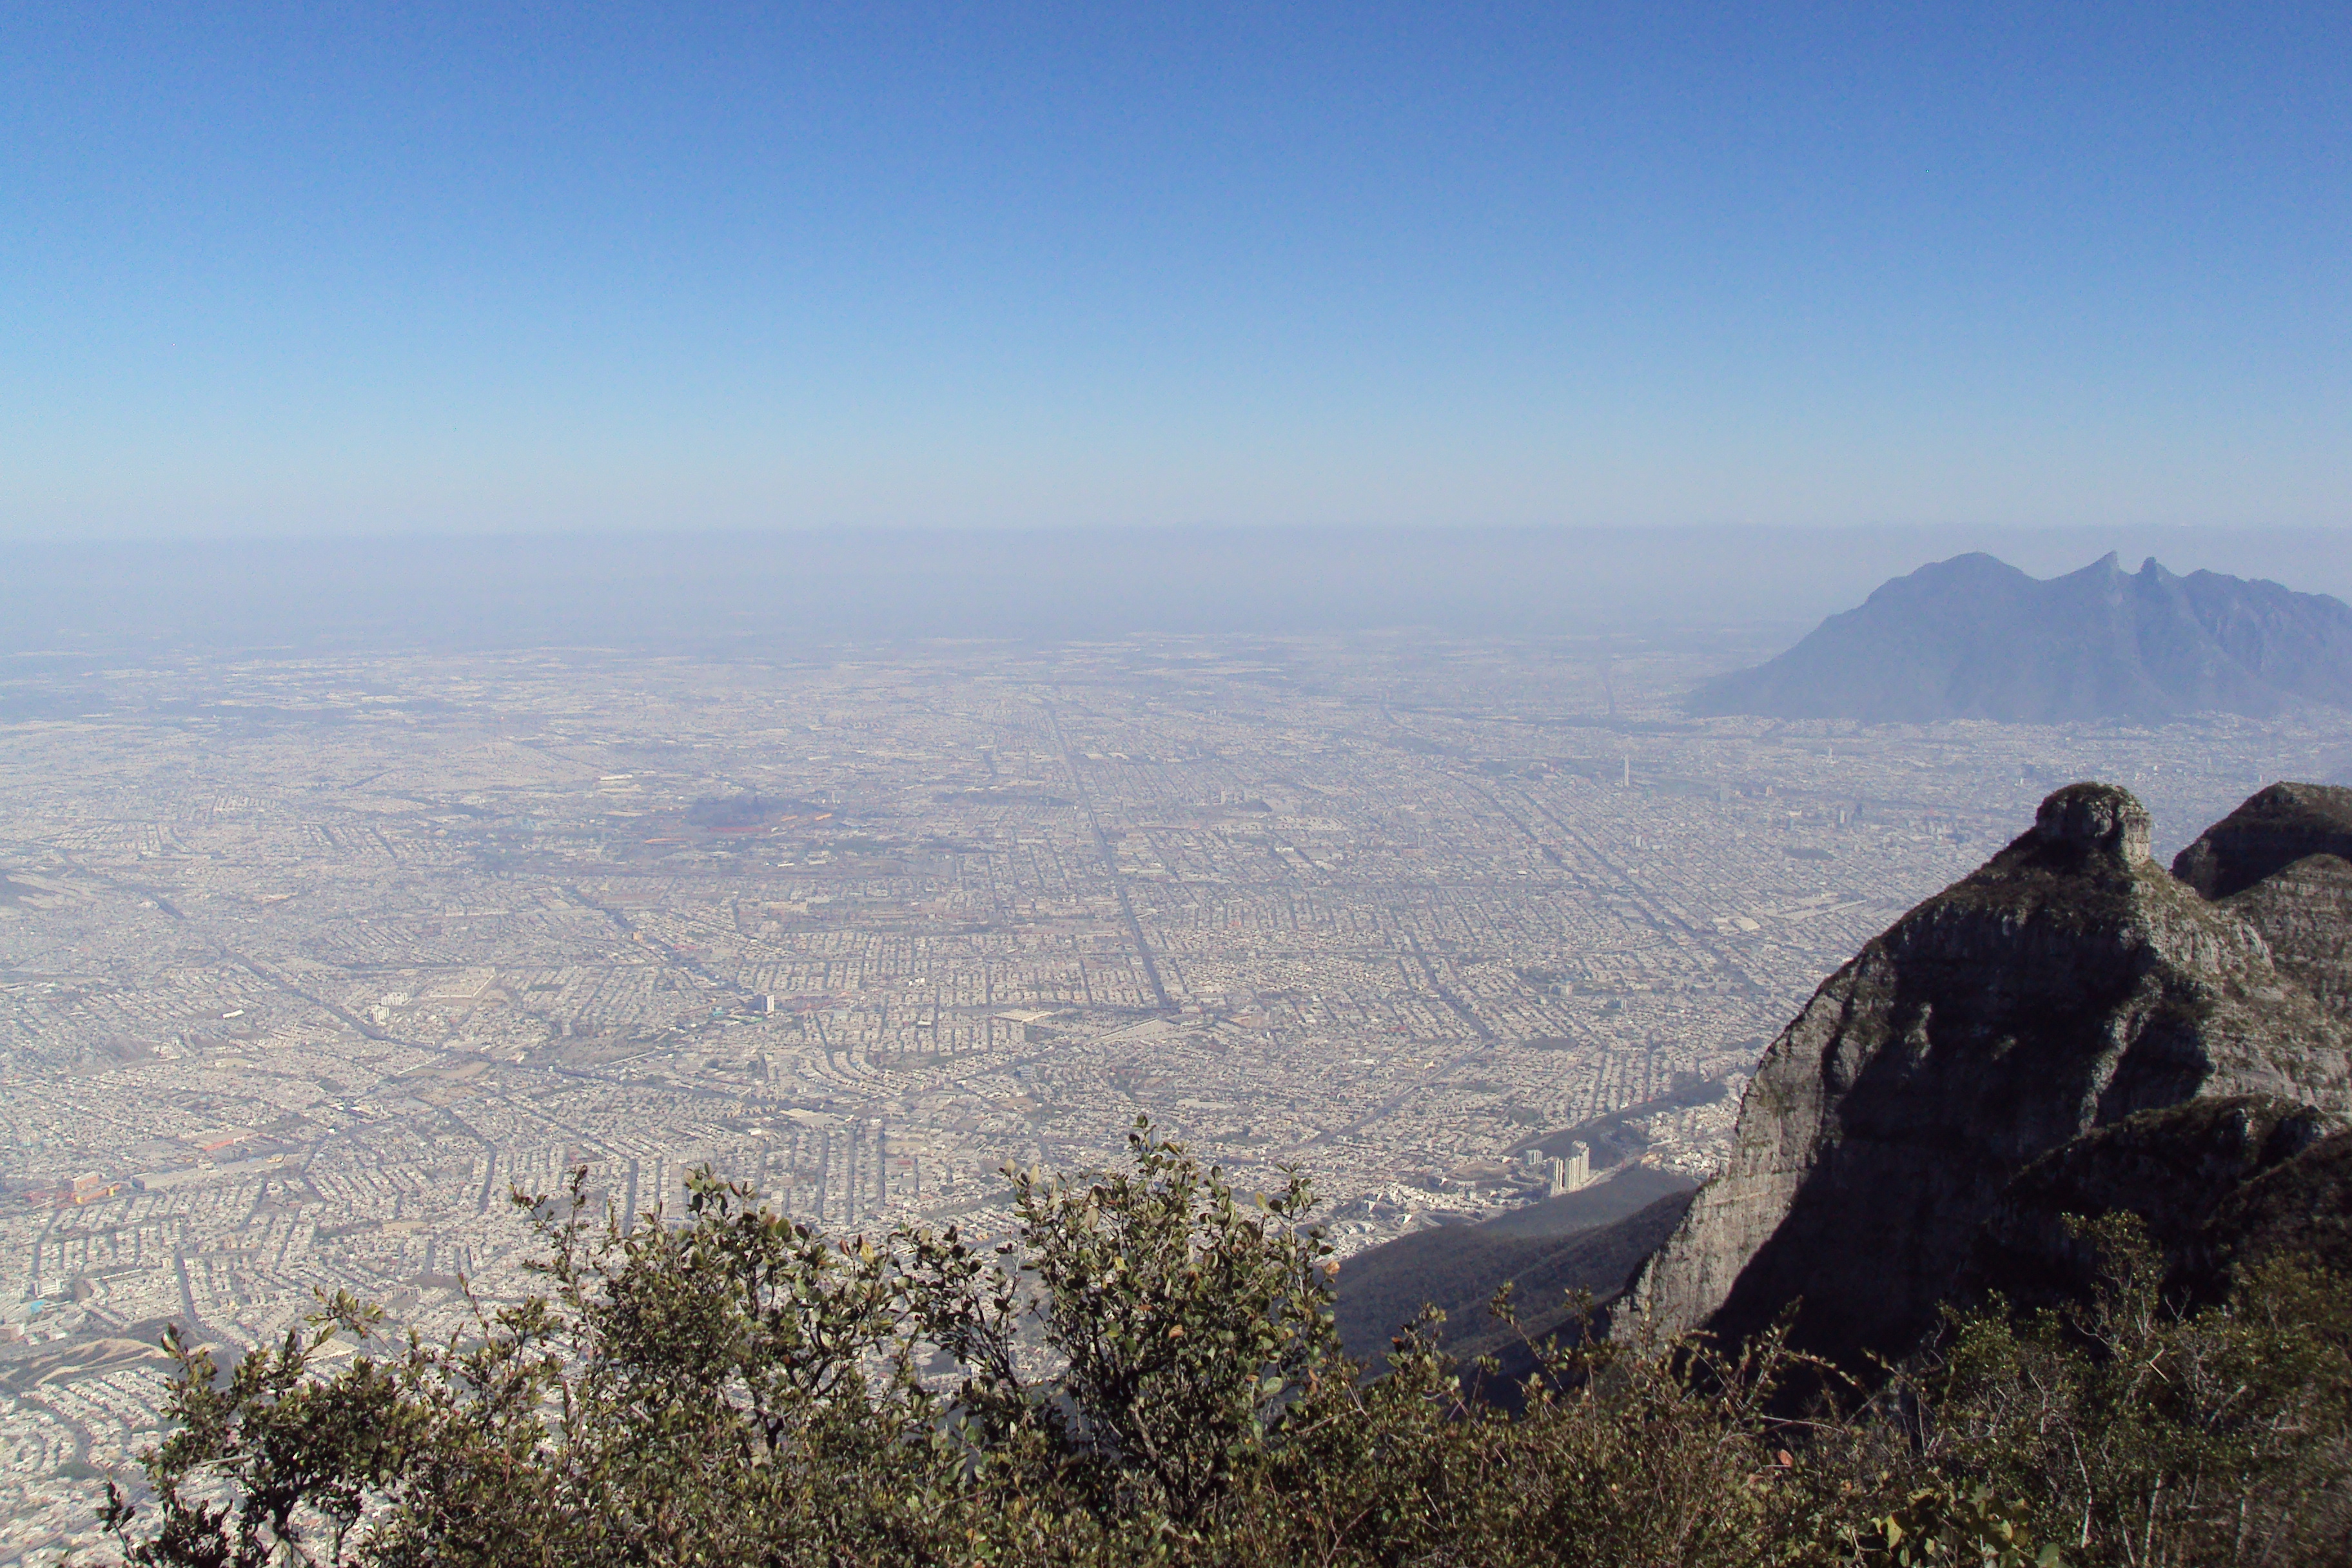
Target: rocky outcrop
{"type": "Point", "coordinates": [2301, 1209]}
{"type": "Point", "coordinates": [2283, 861]}
{"type": "Point", "coordinates": [2065, 986]}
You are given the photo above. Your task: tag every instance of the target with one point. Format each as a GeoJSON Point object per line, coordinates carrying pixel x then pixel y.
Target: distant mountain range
{"type": "Point", "coordinates": [1974, 637]}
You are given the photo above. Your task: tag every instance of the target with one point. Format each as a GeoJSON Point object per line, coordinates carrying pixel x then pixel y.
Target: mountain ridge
{"type": "Point", "coordinates": [1975, 637]}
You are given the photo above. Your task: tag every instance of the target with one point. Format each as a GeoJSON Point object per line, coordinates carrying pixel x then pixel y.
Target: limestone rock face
{"type": "Point", "coordinates": [2066, 984]}
{"type": "Point", "coordinates": [2283, 861]}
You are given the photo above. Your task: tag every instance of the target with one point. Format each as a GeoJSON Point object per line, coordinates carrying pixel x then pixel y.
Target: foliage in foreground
{"type": "Point", "coordinates": [1149, 1374]}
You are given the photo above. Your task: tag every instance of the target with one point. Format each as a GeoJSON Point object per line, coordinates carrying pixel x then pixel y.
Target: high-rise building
{"type": "Point", "coordinates": [1573, 1173]}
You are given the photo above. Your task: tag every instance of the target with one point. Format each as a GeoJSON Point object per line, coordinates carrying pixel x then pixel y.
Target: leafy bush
{"type": "Point", "coordinates": [1148, 1373]}
{"type": "Point", "coordinates": [2137, 1434]}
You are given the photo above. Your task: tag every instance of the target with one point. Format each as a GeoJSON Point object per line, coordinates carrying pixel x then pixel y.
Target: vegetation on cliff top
{"type": "Point", "coordinates": [1150, 1373]}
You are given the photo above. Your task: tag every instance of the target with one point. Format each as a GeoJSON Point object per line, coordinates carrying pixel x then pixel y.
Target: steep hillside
{"type": "Point", "coordinates": [1590, 1240]}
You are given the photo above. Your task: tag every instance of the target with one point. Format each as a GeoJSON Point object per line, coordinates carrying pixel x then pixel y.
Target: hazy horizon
{"type": "Point", "coordinates": [710, 590]}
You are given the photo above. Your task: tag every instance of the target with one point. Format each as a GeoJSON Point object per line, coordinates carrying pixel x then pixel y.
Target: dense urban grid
{"type": "Point", "coordinates": [306, 963]}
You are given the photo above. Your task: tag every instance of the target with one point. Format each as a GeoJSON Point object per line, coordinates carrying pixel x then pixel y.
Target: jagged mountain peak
{"type": "Point", "coordinates": [1975, 637]}
{"type": "Point", "coordinates": [2283, 863]}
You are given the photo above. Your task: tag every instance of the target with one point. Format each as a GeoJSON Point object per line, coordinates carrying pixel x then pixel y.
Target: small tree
{"type": "Point", "coordinates": [1181, 1318]}
{"type": "Point", "coordinates": [738, 1387]}
{"type": "Point", "coordinates": [2142, 1433]}
{"type": "Point", "coordinates": [268, 1463]}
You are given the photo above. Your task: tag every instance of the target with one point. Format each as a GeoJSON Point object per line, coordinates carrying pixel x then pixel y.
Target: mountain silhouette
{"type": "Point", "coordinates": [1974, 637]}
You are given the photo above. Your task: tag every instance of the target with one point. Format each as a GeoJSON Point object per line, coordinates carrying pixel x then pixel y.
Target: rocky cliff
{"type": "Point", "coordinates": [2283, 861]}
{"type": "Point", "coordinates": [2067, 986]}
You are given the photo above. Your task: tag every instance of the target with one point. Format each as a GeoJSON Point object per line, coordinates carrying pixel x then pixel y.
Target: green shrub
{"type": "Point", "coordinates": [1147, 1372]}
{"type": "Point", "coordinates": [2141, 1434]}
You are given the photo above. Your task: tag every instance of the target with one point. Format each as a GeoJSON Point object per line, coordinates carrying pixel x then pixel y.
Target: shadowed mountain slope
{"type": "Point", "coordinates": [1588, 1240]}
{"type": "Point", "coordinates": [1973, 637]}
{"type": "Point", "coordinates": [2215, 1183]}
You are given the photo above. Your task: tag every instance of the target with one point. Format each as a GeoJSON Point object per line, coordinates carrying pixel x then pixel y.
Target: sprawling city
{"type": "Point", "coordinates": [307, 965]}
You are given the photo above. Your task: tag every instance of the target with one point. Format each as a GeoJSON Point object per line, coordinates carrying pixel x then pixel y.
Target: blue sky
{"type": "Point", "coordinates": [339, 268]}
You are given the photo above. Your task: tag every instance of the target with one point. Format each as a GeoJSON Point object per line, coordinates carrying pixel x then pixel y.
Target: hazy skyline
{"type": "Point", "coordinates": [274, 270]}
{"type": "Point", "coordinates": [1744, 593]}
